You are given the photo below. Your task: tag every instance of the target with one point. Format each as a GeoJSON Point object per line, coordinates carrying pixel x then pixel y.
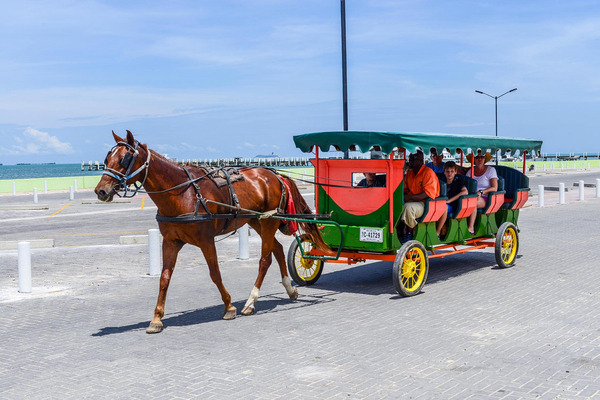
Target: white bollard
{"type": "Point", "coordinates": [541, 195]}
{"type": "Point", "coordinates": [35, 196]}
{"type": "Point", "coordinates": [45, 187]}
{"type": "Point", "coordinates": [581, 187]}
{"type": "Point", "coordinates": [561, 193]}
{"type": "Point", "coordinates": [14, 188]}
{"type": "Point", "coordinates": [75, 185]}
{"type": "Point", "coordinates": [24, 267]}
{"type": "Point", "coordinates": [154, 261]}
{"type": "Point", "coordinates": [71, 193]}
{"type": "Point", "coordinates": [244, 251]}
{"type": "Point", "coordinates": [597, 187]}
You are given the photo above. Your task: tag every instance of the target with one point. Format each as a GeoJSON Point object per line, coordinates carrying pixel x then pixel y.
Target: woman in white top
{"type": "Point", "coordinates": [487, 181]}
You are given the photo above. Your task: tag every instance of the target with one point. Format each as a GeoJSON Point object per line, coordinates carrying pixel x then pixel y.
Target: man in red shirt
{"type": "Point", "coordinates": [420, 183]}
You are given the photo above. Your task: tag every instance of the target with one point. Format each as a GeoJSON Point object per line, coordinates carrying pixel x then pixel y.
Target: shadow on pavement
{"type": "Point", "coordinates": [375, 278]}
{"type": "Point", "coordinates": [269, 303]}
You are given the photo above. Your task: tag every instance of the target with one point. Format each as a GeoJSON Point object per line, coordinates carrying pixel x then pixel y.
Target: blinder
{"type": "Point", "coordinates": [126, 161]}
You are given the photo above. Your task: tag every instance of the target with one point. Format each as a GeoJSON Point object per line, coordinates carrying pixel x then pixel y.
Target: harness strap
{"type": "Point", "coordinates": [255, 215]}
{"type": "Point", "coordinates": [284, 186]}
{"type": "Point", "coordinates": [234, 201]}
{"type": "Point", "coordinates": [201, 217]}
{"type": "Point", "coordinates": [199, 198]}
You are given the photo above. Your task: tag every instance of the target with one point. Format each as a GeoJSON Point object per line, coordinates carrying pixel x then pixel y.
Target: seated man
{"type": "Point", "coordinates": [372, 180]}
{"type": "Point", "coordinates": [420, 183]}
{"type": "Point", "coordinates": [436, 163]}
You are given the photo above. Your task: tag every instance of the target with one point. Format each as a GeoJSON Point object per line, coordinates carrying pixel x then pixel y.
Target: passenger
{"type": "Point", "coordinates": [454, 189]}
{"type": "Point", "coordinates": [487, 182]}
{"type": "Point", "coordinates": [372, 180]}
{"type": "Point", "coordinates": [436, 163]}
{"type": "Point", "coordinates": [420, 183]}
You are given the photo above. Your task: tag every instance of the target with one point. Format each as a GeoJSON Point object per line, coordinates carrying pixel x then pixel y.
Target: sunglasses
{"type": "Point", "coordinates": [476, 157]}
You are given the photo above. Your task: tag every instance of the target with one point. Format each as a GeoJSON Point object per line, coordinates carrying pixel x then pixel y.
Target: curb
{"type": "Point", "coordinates": [34, 244]}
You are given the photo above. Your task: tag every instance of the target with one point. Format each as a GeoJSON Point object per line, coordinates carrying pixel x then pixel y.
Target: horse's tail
{"type": "Point", "coordinates": [309, 228]}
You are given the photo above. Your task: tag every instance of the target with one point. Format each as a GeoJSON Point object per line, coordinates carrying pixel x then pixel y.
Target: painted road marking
{"type": "Point", "coordinates": [61, 210]}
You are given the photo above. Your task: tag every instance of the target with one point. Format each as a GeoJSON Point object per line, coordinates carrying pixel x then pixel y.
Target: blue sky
{"type": "Point", "coordinates": [208, 79]}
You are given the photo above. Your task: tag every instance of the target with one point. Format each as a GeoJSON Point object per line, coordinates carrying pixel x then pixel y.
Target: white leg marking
{"type": "Point", "coordinates": [253, 297]}
{"type": "Point", "coordinates": [287, 284]}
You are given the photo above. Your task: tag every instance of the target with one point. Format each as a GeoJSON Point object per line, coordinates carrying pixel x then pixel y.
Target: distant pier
{"type": "Point", "coordinates": [224, 162]}
{"type": "Point", "coordinates": [569, 156]}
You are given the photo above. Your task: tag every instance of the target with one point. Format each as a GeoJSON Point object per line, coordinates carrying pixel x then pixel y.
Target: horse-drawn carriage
{"type": "Point", "coordinates": [353, 223]}
{"type": "Point", "coordinates": [367, 218]}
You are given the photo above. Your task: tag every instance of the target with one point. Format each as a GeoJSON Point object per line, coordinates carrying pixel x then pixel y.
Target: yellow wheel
{"type": "Point", "coordinates": [304, 271]}
{"type": "Point", "coordinates": [507, 245]}
{"type": "Point", "coordinates": [410, 268]}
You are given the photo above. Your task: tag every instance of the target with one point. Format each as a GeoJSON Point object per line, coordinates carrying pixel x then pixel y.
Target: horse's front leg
{"type": "Point", "coordinates": [170, 249]}
{"type": "Point", "coordinates": [210, 254]}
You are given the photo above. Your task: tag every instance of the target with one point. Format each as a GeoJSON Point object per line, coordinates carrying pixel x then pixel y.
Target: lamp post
{"type": "Point", "coordinates": [344, 71]}
{"type": "Point", "coordinates": [496, 108]}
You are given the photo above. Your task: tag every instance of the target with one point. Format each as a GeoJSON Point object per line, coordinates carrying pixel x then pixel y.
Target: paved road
{"type": "Point", "coordinates": [476, 331]}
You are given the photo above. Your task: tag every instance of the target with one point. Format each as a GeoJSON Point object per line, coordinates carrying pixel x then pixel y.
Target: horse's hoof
{"type": "Point", "coordinates": [248, 310]}
{"type": "Point", "coordinates": [294, 295]}
{"type": "Point", "coordinates": [230, 314]}
{"type": "Point", "coordinates": [154, 328]}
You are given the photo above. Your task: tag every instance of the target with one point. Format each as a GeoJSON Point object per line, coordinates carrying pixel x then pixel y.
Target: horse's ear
{"type": "Point", "coordinates": [130, 139]}
{"type": "Point", "coordinates": [117, 138]}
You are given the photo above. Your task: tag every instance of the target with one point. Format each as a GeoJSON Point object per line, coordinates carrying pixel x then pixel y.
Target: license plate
{"type": "Point", "coordinates": [371, 235]}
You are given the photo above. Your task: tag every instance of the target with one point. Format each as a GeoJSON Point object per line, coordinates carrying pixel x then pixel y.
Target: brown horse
{"type": "Point", "coordinates": [177, 191]}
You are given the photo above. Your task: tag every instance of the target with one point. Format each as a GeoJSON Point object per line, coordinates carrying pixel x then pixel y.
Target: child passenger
{"type": "Point", "coordinates": [454, 189]}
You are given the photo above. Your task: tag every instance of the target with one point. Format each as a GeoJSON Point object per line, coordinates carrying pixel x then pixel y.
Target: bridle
{"type": "Point", "coordinates": [127, 162]}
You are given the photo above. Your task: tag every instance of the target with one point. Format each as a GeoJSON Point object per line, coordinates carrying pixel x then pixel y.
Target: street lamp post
{"type": "Point", "coordinates": [496, 108]}
{"type": "Point", "coordinates": [344, 71]}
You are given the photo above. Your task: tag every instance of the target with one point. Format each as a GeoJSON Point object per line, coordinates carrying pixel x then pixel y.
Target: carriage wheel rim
{"type": "Point", "coordinates": [509, 248]}
{"type": "Point", "coordinates": [307, 268]}
{"type": "Point", "coordinates": [413, 269]}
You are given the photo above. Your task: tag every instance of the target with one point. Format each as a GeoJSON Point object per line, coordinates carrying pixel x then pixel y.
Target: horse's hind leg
{"type": "Point", "coordinates": [210, 254]}
{"type": "Point", "coordinates": [285, 279]}
{"type": "Point", "coordinates": [170, 249]}
{"type": "Point", "coordinates": [266, 229]}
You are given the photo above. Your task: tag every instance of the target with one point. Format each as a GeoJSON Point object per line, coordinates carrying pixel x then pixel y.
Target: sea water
{"type": "Point", "coordinates": [29, 171]}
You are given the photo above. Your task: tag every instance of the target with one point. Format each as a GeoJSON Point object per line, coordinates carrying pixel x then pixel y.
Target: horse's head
{"type": "Point", "coordinates": [123, 166]}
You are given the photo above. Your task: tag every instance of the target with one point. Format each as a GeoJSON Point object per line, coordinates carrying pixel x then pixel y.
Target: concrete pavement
{"type": "Point", "coordinates": [476, 331]}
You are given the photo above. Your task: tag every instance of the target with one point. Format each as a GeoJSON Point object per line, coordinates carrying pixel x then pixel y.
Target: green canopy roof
{"type": "Point", "coordinates": [388, 141]}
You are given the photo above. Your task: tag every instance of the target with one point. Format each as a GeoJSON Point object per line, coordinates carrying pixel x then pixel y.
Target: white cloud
{"type": "Point", "coordinates": [39, 142]}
